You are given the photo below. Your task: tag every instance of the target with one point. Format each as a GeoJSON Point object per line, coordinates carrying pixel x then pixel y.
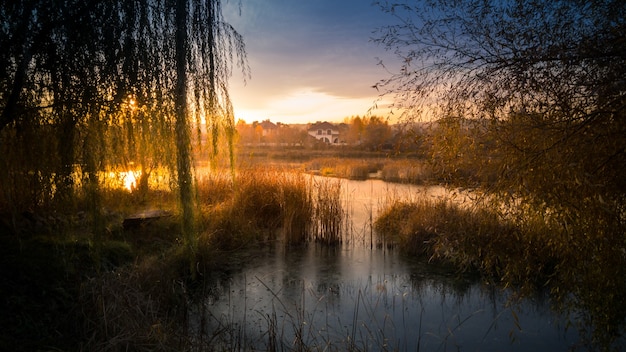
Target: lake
{"type": "Point", "coordinates": [362, 297]}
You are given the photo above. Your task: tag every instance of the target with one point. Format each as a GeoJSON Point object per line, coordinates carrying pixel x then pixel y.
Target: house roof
{"type": "Point", "coordinates": [323, 126]}
{"type": "Point", "coordinates": [268, 125]}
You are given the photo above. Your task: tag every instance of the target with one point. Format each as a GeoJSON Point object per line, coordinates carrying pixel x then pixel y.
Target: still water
{"type": "Point", "coordinates": [353, 297]}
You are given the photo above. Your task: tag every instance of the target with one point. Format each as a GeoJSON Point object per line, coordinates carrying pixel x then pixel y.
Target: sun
{"type": "Point", "coordinates": [130, 181]}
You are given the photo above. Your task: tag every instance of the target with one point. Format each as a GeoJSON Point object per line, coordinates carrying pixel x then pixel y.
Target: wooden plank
{"type": "Point", "coordinates": [144, 217]}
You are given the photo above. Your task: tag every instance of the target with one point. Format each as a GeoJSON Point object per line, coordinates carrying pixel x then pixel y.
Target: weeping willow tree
{"type": "Point", "coordinates": [205, 47]}
{"type": "Point", "coordinates": [95, 86]}
{"type": "Point", "coordinates": [533, 94]}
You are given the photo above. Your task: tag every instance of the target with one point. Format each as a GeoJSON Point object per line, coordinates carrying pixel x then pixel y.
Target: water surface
{"type": "Point", "coordinates": [355, 297]}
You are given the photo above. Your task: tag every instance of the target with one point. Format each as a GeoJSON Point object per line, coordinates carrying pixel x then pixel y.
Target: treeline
{"type": "Point", "coordinates": [372, 133]}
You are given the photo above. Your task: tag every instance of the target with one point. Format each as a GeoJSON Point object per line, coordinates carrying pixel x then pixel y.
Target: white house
{"type": "Point", "coordinates": [325, 132]}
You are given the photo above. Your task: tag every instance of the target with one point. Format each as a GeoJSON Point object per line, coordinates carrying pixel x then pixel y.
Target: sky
{"type": "Point", "coordinates": [310, 60]}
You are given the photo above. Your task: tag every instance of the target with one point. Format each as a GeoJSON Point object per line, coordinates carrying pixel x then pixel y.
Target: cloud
{"type": "Point", "coordinates": [305, 105]}
{"type": "Point", "coordinates": [310, 60]}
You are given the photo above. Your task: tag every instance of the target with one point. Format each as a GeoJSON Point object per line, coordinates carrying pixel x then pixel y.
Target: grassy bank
{"type": "Point", "coordinates": [471, 238]}
{"type": "Point", "coordinates": [79, 281]}
{"type": "Point", "coordinates": [353, 164]}
{"type": "Point", "coordinates": [400, 170]}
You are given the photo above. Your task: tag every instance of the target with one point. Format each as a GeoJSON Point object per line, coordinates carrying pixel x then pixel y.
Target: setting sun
{"type": "Point", "coordinates": [130, 181]}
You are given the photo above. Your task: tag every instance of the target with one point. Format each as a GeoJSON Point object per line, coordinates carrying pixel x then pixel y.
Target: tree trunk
{"type": "Point", "coordinates": [183, 139]}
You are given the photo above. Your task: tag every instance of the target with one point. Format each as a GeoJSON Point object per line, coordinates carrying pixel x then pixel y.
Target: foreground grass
{"type": "Point", "coordinates": [84, 282]}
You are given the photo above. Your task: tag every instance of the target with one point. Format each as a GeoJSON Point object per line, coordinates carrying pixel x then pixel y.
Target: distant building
{"type": "Point", "coordinates": [325, 132]}
{"type": "Point", "coordinates": [268, 128]}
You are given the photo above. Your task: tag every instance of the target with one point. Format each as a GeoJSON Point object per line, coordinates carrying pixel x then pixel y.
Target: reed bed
{"type": "Point", "coordinates": [353, 169]}
{"type": "Point", "coordinates": [471, 238]}
{"type": "Point", "coordinates": [329, 215]}
{"type": "Point", "coordinates": [407, 171]}
{"type": "Point", "coordinates": [390, 170]}
{"type": "Point", "coordinates": [297, 206]}
{"type": "Point", "coordinates": [254, 207]}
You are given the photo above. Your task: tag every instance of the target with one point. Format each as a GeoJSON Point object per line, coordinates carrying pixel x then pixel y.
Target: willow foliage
{"type": "Point", "coordinates": [91, 86]}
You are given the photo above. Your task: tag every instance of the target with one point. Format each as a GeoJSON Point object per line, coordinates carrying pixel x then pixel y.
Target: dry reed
{"type": "Point", "coordinates": [328, 212]}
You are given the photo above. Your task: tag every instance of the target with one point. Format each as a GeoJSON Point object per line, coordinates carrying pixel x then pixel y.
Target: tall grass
{"type": "Point", "coordinates": [353, 169]}
{"type": "Point", "coordinates": [390, 170]}
{"type": "Point", "coordinates": [407, 171]}
{"type": "Point", "coordinates": [261, 205]}
{"type": "Point", "coordinates": [472, 238]}
{"type": "Point", "coordinates": [297, 206]}
{"type": "Point", "coordinates": [329, 215]}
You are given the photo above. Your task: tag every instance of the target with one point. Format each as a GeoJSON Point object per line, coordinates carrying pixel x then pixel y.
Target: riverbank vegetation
{"type": "Point", "coordinates": [530, 111]}
{"type": "Point", "coordinates": [130, 286]}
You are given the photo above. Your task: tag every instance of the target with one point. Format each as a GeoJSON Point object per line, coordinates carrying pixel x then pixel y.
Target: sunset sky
{"type": "Point", "coordinates": [311, 60]}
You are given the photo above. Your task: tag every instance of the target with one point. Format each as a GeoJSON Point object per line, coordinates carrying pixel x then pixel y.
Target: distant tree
{"type": "Point", "coordinates": [376, 133]}
{"type": "Point", "coordinates": [245, 132]}
{"type": "Point", "coordinates": [356, 127]}
{"type": "Point", "coordinates": [289, 135]}
{"type": "Point", "coordinates": [258, 132]}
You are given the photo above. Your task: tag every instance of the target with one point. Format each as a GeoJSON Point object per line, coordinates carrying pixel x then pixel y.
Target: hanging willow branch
{"type": "Point", "coordinates": [67, 81]}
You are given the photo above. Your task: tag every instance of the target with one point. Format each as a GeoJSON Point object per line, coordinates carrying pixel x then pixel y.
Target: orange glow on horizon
{"type": "Point", "coordinates": [308, 105]}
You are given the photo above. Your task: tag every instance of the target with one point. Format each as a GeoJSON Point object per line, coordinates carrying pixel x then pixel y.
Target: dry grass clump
{"type": "Point", "coordinates": [354, 169]}
{"type": "Point", "coordinates": [297, 208]}
{"type": "Point", "coordinates": [403, 223]}
{"type": "Point", "coordinates": [250, 213]}
{"type": "Point", "coordinates": [470, 238]}
{"type": "Point", "coordinates": [257, 207]}
{"type": "Point", "coordinates": [318, 164]}
{"type": "Point", "coordinates": [328, 212]}
{"type": "Point", "coordinates": [214, 188]}
{"type": "Point", "coordinates": [406, 171]}
{"type": "Point", "coordinates": [390, 170]}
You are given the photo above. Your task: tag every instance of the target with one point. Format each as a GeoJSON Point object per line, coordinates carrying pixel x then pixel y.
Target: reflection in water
{"type": "Point", "coordinates": [359, 298]}
{"type": "Point", "coordinates": [353, 297]}
{"type": "Point", "coordinates": [364, 199]}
